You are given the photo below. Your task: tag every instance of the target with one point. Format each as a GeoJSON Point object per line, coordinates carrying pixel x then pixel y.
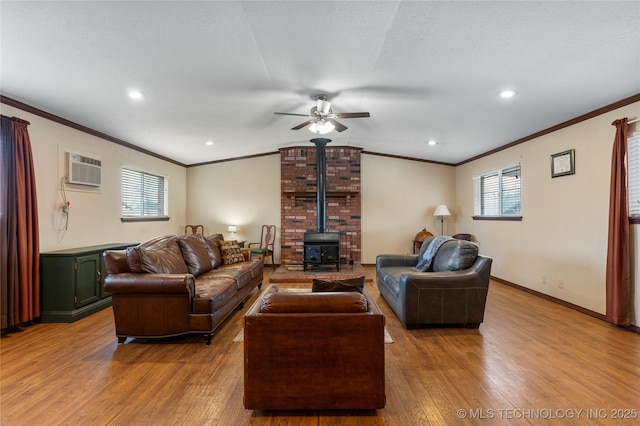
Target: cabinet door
{"type": "Point", "coordinates": [87, 279]}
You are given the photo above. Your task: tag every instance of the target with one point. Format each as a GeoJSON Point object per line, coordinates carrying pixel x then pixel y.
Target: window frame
{"type": "Point", "coordinates": [478, 194]}
{"type": "Point", "coordinates": [633, 173]}
{"type": "Point", "coordinates": [162, 197]}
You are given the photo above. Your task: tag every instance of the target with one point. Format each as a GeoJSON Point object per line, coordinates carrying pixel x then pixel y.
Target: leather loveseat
{"type": "Point", "coordinates": [314, 351]}
{"type": "Point", "coordinates": [174, 285]}
{"type": "Point", "coordinates": [453, 292]}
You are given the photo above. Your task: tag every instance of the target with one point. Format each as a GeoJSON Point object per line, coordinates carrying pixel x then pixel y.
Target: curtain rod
{"type": "Point", "coordinates": [633, 121]}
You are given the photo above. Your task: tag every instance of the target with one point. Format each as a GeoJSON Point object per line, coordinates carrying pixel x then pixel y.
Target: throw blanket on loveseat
{"type": "Point", "coordinates": [426, 262]}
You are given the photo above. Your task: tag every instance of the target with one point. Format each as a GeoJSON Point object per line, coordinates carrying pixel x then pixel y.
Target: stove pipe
{"type": "Point", "coordinates": [321, 182]}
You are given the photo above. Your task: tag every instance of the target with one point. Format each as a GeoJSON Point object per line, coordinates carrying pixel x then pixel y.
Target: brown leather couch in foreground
{"type": "Point", "coordinates": [176, 285]}
{"type": "Point", "coordinates": [314, 351]}
{"type": "Point", "coordinates": [453, 293]}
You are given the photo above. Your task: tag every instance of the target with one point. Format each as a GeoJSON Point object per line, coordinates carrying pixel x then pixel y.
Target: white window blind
{"type": "Point", "coordinates": [497, 192]}
{"type": "Point", "coordinates": [144, 195]}
{"type": "Point", "coordinates": [633, 175]}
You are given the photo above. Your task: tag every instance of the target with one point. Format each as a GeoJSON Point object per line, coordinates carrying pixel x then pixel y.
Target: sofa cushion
{"type": "Point", "coordinates": [163, 258]}
{"type": "Point", "coordinates": [214, 249]}
{"type": "Point", "coordinates": [455, 255]}
{"type": "Point", "coordinates": [349, 284]}
{"type": "Point", "coordinates": [390, 277]}
{"type": "Point", "coordinates": [427, 241]}
{"type": "Point", "coordinates": [195, 254]}
{"type": "Point", "coordinates": [133, 253]}
{"type": "Point", "coordinates": [213, 292]}
{"type": "Point", "coordinates": [350, 302]}
{"type": "Point", "coordinates": [133, 260]}
{"type": "Point", "coordinates": [240, 276]}
{"type": "Point", "coordinates": [425, 263]}
{"type": "Point", "coordinates": [231, 252]}
{"type": "Point", "coordinates": [254, 267]}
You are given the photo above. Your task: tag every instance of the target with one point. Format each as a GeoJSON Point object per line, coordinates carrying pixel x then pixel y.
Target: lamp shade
{"type": "Point", "coordinates": [232, 228]}
{"type": "Point", "coordinates": [321, 127]}
{"type": "Point", "coordinates": [442, 210]}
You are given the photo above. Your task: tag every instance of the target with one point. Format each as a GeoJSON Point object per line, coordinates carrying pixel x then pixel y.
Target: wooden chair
{"type": "Point", "coordinates": [264, 248]}
{"type": "Point", "coordinates": [194, 229]}
{"type": "Point", "coordinates": [466, 237]}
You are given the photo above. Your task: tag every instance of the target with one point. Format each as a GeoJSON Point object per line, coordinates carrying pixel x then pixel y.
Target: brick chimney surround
{"type": "Point", "coordinates": [299, 204]}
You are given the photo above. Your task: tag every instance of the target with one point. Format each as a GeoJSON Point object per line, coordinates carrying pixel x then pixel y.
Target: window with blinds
{"type": "Point", "coordinates": [144, 195]}
{"type": "Point", "coordinates": [497, 193]}
{"type": "Point", "coordinates": [633, 175]}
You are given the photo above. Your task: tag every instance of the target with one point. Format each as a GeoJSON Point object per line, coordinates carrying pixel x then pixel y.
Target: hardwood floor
{"type": "Point", "coordinates": [530, 361]}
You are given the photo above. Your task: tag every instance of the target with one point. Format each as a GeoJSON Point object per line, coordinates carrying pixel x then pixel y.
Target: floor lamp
{"type": "Point", "coordinates": [441, 212]}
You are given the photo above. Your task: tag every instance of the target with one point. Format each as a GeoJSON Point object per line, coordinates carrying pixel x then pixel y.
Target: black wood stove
{"type": "Point", "coordinates": [321, 247]}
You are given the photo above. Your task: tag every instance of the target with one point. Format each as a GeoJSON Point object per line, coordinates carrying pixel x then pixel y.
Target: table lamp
{"type": "Point", "coordinates": [232, 230]}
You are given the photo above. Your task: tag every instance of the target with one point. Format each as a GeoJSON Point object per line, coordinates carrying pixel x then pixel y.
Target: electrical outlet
{"type": "Point", "coordinates": [561, 283]}
{"type": "Point", "coordinates": [544, 280]}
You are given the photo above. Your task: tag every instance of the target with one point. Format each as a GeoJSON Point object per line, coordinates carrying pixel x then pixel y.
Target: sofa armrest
{"type": "Point", "coordinates": [385, 260]}
{"type": "Point", "coordinates": [150, 283]}
{"type": "Point", "coordinates": [309, 303]}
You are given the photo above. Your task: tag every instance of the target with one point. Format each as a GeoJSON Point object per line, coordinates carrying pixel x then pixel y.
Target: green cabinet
{"type": "Point", "coordinates": [72, 282]}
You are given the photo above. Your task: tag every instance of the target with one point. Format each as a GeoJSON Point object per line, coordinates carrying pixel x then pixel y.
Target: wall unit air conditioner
{"type": "Point", "coordinates": [83, 170]}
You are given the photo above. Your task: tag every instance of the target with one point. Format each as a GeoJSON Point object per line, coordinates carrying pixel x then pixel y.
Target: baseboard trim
{"type": "Point", "coordinates": [632, 328]}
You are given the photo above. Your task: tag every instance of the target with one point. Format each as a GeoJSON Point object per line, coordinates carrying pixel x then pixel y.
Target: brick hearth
{"type": "Point", "coordinates": [284, 275]}
{"type": "Point", "coordinates": [298, 199]}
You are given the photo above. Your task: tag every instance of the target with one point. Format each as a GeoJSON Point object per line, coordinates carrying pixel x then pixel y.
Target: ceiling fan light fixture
{"type": "Point", "coordinates": [324, 107]}
{"type": "Point", "coordinates": [321, 127]}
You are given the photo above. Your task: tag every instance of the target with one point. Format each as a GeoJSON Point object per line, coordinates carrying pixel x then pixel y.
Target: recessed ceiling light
{"type": "Point", "coordinates": [135, 94]}
{"type": "Point", "coordinates": [432, 142]}
{"type": "Point", "coordinates": [209, 143]}
{"type": "Point", "coordinates": [507, 93]}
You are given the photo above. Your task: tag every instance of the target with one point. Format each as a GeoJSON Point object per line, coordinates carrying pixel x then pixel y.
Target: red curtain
{"type": "Point", "coordinates": [618, 276]}
{"type": "Point", "coordinates": [19, 244]}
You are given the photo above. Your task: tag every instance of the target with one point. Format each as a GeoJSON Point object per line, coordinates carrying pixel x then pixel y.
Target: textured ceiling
{"type": "Point", "coordinates": [217, 70]}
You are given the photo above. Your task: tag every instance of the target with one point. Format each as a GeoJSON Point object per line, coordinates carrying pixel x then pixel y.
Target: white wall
{"type": "Point", "coordinates": [245, 193]}
{"type": "Point", "coordinates": [398, 200]}
{"type": "Point", "coordinates": [563, 233]}
{"type": "Point", "coordinates": [95, 214]}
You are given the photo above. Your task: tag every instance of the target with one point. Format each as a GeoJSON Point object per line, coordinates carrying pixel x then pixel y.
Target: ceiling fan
{"type": "Point", "coordinates": [322, 119]}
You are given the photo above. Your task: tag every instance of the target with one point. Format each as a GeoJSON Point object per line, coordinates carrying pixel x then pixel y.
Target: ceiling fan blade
{"type": "Point", "coordinates": [289, 113]}
{"type": "Point", "coordinates": [339, 126]}
{"type": "Point", "coordinates": [301, 125]}
{"type": "Point", "coordinates": [352, 115]}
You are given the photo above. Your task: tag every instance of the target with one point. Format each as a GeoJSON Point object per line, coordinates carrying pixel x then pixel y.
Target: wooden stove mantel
{"type": "Point", "coordinates": [312, 194]}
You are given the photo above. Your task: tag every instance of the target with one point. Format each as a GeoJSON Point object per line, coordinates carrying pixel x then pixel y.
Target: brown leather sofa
{"type": "Point", "coordinates": [314, 351]}
{"type": "Point", "coordinates": [453, 293]}
{"type": "Point", "coordinates": [174, 285]}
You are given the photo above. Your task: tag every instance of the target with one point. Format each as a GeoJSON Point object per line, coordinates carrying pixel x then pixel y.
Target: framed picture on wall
{"type": "Point", "coordinates": [563, 163]}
